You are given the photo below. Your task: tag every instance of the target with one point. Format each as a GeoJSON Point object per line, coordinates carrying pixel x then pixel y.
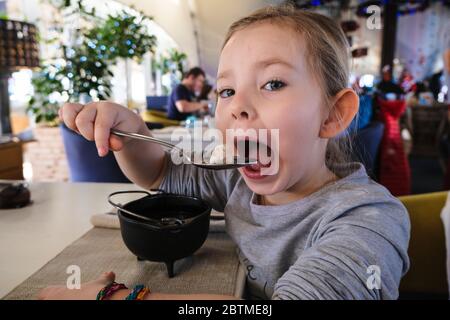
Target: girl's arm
{"type": "Point", "coordinates": [89, 291]}
{"type": "Point", "coordinates": [361, 255]}
{"type": "Point", "coordinates": [120, 295]}
{"type": "Point", "coordinates": [166, 296]}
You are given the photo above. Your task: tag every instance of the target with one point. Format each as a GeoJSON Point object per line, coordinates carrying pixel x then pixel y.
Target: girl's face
{"type": "Point", "coordinates": [264, 83]}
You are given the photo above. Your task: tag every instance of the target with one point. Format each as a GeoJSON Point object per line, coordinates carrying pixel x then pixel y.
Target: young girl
{"type": "Point", "coordinates": [319, 228]}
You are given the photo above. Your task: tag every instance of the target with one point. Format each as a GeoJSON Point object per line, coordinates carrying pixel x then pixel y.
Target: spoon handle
{"type": "Point", "coordinates": [143, 137]}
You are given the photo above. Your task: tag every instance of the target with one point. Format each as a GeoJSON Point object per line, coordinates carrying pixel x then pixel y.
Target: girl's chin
{"type": "Point", "coordinates": [259, 183]}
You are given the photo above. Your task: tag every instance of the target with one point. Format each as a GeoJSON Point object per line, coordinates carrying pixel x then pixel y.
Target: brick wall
{"type": "Point", "coordinates": [46, 155]}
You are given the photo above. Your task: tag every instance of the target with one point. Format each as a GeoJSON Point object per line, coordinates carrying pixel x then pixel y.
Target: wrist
{"type": "Point", "coordinates": [120, 294]}
{"type": "Point", "coordinates": [140, 292]}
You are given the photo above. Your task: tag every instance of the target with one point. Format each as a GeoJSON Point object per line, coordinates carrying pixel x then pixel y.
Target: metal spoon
{"type": "Point", "coordinates": [236, 164]}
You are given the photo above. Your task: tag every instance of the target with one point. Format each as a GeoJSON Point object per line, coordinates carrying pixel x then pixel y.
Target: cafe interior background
{"type": "Point", "coordinates": [134, 52]}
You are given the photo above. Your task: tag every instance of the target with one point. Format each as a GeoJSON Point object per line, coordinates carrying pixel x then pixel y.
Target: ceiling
{"type": "Point", "coordinates": [213, 18]}
{"type": "Point", "coordinates": [198, 26]}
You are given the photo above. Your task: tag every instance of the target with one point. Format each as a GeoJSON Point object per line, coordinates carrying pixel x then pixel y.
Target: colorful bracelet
{"type": "Point", "coordinates": [107, 291]}
{"type": "Point", "coordinates": [138, 293]}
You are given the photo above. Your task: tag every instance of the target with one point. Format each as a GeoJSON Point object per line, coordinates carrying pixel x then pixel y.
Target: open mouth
{"type": "Point", "coordinates": [253, 149]}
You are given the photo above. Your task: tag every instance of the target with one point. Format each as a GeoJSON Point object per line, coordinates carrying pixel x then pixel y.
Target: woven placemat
{"type": "Point", "coordinates": [214, 268]}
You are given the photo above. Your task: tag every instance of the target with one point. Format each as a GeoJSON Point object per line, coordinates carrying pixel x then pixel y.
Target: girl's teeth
{"type": "Point", "coordinates": [258, 166]}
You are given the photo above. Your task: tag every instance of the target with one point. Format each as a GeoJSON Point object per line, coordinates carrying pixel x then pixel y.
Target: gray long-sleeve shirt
{"type": "Point", "coordinates": [348, 240]}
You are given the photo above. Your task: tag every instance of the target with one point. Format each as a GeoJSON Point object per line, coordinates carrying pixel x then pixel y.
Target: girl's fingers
{"type": "Point", "coordinates": [103, 123]}
{"type": "Point", "coordinates": [85, 122]}
{"type": "Point", "coordinates": [69, 114]}
{"type": "Point", "coordinates": [116, 143]}
{"type": "Point", "coordinates": [107, 277]}
{"type": "Point", "coordinates": [94, 122]}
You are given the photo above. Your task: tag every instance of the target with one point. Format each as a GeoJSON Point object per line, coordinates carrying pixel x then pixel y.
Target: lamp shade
{"type": "Point", "coordinates": [18, 49]}
{"type": "Point", "coordinates": [19, 46]}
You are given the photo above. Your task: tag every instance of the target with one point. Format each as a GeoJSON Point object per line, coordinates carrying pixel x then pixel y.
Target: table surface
{"type": "Point", "coordinates": [60, 214]}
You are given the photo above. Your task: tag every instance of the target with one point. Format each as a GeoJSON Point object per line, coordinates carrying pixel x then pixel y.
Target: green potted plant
{"type": "Point", "coordinates": [123, 36]}
{"type": "Point", "coordinates": [81, 71]}
{"type": "Point", "coordinates": [171, 64]}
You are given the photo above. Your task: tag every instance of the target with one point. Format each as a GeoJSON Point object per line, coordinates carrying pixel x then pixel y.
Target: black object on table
{"type": "Point", "coordinates": [14, 195]}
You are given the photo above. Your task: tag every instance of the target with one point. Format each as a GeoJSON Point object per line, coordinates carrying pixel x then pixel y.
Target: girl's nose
{"type": "Point", "coordinates": [242, 110]}
{"type": "Point", "coordinates": [243, 115]}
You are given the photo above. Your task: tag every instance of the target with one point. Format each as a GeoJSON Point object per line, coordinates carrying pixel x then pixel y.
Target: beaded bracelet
{"type": "Point", "coordinates": [138, 293]}
{"type": "Point", "coordinates": [107, 291]}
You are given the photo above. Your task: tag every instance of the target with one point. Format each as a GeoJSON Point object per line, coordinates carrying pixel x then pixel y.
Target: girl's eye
{"type": "Point", "coordinates": [274, 85]}
{"type": "Point", "coordinates": [225, 93]}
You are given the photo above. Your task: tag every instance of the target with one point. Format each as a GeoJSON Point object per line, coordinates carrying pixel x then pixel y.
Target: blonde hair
{"type": "Point", "coordinates": [327, 55]}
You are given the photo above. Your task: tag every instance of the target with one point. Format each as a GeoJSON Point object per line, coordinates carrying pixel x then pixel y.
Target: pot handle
{"type": "Point", "coordinates": [119, 207]}
{"type": "Point", "coordinates": [172, 223]}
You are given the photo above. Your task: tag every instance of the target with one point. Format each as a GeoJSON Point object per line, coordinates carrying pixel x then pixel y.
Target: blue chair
{"type": "Point", "coordinates": [84, 163]}
{"type": "Point", "coordinates": [366, 146]}
{"type": "Point", "coordinates": [365, 113]}
{"type": "Point", "coordinates": [158, 103]}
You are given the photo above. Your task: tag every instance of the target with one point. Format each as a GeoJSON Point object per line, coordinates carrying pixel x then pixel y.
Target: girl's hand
{"type": "Point", "coordinates": [94, 121]}
{"type": "Point", "coordinates": [88, 291]}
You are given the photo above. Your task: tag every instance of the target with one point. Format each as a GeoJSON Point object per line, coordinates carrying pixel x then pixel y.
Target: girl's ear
{"type": "Point", "coordinates": [344, 108]}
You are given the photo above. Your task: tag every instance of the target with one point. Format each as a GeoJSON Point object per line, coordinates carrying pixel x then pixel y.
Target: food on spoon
{"type": "Point", "coordinates": [219, 155]}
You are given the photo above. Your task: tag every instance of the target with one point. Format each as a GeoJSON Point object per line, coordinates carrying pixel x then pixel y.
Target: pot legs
{"type": "Point", "coordinates": [169, 266]}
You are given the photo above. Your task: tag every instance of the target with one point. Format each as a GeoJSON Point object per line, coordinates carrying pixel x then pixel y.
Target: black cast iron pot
{"type": "Point", "coordinates": [163, 227]}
